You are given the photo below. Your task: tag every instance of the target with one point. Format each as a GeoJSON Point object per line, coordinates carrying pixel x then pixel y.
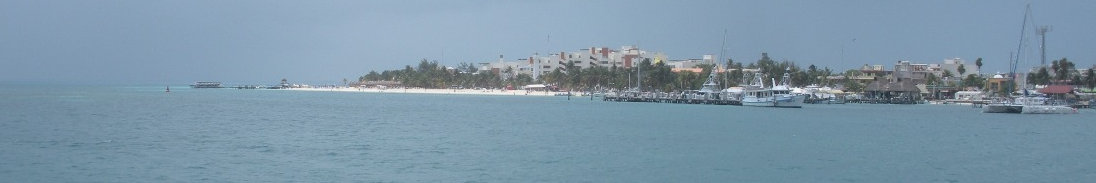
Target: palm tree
{"type": "Point", "coordinates": [947, 76]}
{"type": "Point", "coordinates": [978, 63]}
{"type": "Point", "coordinates": [1062, 69]}
{"type": "Point", "coordinates": [962, 70]}
{"type": "Point", "coordinates": [509, 71]}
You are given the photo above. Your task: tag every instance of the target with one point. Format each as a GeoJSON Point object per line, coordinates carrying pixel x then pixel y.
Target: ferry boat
{"type": "Point", "coordinates": [776, 96]}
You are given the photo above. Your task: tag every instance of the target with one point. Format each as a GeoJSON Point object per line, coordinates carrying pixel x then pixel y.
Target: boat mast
{"type": "Point", "coordinates": [710, 86]}
{"type": "Point", "coordinates": [786, 77]}
{"type": "Point", "coordinates": [1013, 63]}
{"type": "Point", "coordinates": [722, 49]}
{"type": "Point", "coordinates": [639, 79]}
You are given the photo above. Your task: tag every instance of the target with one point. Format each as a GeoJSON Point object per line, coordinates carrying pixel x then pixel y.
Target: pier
{"type": "Point", "coordinates": [892, 100]}
{"type": "Point", "coordinates": [708, 94]}
{"type": "Point", "coordinates": [676, 98]}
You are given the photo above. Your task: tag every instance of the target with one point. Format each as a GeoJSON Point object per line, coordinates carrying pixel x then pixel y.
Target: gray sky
{"type": "Point", "coordinates": [241, 41]}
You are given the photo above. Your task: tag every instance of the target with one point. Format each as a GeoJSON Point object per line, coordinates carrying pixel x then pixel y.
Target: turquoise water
{"type": "Point", "coordinates": [141, 134]}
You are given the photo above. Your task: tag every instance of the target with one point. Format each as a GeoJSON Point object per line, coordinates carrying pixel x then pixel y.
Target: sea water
{"type": "Point", "coordinates": [143, 134]}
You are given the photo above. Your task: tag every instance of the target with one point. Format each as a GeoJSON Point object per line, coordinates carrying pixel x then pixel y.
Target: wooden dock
{"type": "Point", "coordinates": [896, 100]}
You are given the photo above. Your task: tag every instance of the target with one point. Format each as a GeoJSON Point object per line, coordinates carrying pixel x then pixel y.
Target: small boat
{"type": "Point", "coordinates": [168, 90]}
{"type": "Point", "coordinates": [776, 96]}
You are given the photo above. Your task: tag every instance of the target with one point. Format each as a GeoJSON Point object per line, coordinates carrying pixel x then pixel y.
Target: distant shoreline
{"type": "Point", "coordinates": [431, 91]}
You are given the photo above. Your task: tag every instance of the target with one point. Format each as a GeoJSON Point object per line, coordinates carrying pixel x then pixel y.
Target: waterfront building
{"type": "Point", "coordinates": [503, 68]}
{"type": "Point", "coordinates": [626, 57]}
{"type": "Point", "coordinates": [691, 63]}
{"type": "Point", "coordinates": [538, 65]}
{"type": "Point", "coordinates": [869, 74]}
{"type": "Point", "coordinates": [907, 71]}
{"type": "Point", "coordinates": [996, 83]}
{"type": "Point", "coordinates": [917, 73]}
{"type": "Point", "coordinates": [905, 84]}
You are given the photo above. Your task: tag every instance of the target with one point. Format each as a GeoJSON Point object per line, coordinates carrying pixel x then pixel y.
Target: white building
{"type": "Point", "coordinates": [952, 65]}
{"type": "Point", "coordinates": [690, 63]}
{"type": "Point", "coordinates": [501, 66]}
{"type": "Point", "coordinates": [626, 57]}
{"type": "Point", "coordinates": [538, 65]}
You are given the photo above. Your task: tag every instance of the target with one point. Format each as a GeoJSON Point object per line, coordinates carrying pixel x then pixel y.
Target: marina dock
{"type": "Point", "coordinates": [676, 98]}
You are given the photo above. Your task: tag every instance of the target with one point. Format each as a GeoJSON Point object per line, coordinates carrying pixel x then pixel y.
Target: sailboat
{"type": "Point", "coordinates": [1024, 104]}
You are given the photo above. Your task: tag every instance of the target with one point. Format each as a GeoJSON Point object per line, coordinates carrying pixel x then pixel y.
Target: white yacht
{"type": "Point", "coordinates": [776, 96]}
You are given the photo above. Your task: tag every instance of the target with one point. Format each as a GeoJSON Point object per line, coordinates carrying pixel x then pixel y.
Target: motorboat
{"type": "Point", "coordinates": [779, 95]}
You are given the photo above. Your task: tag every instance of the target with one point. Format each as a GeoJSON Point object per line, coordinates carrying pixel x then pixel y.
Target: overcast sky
{"type": "Point", "coordinates": [260, 42]}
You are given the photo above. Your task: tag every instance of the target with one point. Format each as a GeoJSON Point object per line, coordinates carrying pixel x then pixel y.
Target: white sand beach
{"type": "Point", "coordinates": [431, 91]}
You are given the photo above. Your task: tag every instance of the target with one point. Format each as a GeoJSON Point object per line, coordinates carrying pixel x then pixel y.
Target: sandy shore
{"type": "Point", "coordinates": [432, 91]}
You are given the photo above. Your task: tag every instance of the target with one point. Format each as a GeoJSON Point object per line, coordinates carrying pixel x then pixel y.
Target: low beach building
{"type": "Point", "coordinates": [900, 86]}
{"type": "Point", "coordinates": [901, 92]}
{"type": "Point", "coordinates": [1057, 91]}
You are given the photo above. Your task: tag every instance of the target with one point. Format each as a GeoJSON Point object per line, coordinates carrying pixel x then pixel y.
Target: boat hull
{"type": "Point", "coordinates": [1048, 109]}
{"type": "Point", "coordinates": [1002, 108]}
{"type": "Point", "coordinates": [792, 101]}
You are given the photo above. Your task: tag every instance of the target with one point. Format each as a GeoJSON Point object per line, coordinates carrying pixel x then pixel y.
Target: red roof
{"type": "Point", "coordinates": [1057, 89]}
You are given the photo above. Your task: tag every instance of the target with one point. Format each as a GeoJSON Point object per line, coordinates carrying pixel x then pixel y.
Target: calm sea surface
{"type": "Point", "coordinates": [141, 134]}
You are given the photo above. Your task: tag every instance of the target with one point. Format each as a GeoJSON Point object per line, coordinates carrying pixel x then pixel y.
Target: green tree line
{"type": "Point", "coordinates": [647, 75]}
{"type": "Point", "coordinates": [1064, 72]}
